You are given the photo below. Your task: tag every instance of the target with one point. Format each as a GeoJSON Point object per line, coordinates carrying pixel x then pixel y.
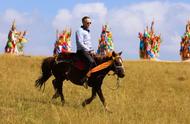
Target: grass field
{"type": "Point", "coordinates": [151, 93]}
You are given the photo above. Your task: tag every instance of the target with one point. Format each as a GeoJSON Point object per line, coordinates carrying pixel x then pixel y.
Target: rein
{"type": "Point", "coordinates": [117, 84]}
{"type": "Point", "coordinates": [118, 81]}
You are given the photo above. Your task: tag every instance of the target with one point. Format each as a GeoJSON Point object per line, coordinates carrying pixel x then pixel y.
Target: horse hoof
{"type": "Point", "coordinates": [107, 110]}
{"type": "Point", "coordinates": [63, 103]}
{"type": "Point", "coordinates": [55, 96]}
{"type": "Point", "coordinates": [84, 104]}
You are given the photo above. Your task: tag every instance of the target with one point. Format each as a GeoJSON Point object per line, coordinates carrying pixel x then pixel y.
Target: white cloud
{"type": "Point", "coordinates": [20, 17]}
{"type": "Point", "coordinates": [62, 18]}
{"type": "Point", "coordinates": [94, 9]}
{"type": "Point", "coordinates": [65, 17]}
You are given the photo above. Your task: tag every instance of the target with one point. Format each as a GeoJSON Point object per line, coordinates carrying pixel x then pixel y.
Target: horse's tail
{"type": "Point", "coordinates": [46, 71]}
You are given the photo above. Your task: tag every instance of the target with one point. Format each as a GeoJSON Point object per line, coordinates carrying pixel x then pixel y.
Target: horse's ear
{"type": "Point", "coordinates": [120, 53]}
{"type": "Point", "coordinates": [113, 53]}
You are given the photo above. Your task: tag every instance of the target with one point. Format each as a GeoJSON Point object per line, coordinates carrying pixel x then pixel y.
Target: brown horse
{"type": "Point", "coordinates": [67, 70]}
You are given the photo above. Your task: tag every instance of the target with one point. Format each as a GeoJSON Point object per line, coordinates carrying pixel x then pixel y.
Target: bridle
{"type": "Point", "coordinates": [117, 67]}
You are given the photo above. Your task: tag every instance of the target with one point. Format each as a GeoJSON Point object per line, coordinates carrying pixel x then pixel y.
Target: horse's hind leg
{"type": "Point", "coordinates": [89, 100]}
{"type": "Point", "coordinates": [58, 83]}
{"type": "Point", "coordinates": [55, 86]}
{"type": "Point", "coordinates": [60, 90]}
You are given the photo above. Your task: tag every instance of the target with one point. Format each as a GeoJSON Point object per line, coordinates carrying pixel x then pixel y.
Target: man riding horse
{"type": "Point", "coordinates": [84, 47]}
{"type": "Point", "coordinates": [72, 66]}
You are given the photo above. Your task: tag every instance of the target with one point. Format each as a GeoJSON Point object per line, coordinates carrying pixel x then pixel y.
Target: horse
{"type": "Point", "coordinates": [70, 71]}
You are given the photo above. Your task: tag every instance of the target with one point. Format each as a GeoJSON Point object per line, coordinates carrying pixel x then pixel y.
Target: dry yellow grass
{"type": "Point", "coordinates": [150, 93]}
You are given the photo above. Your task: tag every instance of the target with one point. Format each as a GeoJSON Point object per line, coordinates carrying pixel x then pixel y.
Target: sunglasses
{"type": "Point", "coordinates": [88, 23]}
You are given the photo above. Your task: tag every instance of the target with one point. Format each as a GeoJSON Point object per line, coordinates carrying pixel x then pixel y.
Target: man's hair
{"type": "Point", "coordinates": [85, 17]}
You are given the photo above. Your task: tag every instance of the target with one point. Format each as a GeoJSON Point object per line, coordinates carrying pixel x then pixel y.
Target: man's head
{"type": "Point", "coordinates": [86, 21]}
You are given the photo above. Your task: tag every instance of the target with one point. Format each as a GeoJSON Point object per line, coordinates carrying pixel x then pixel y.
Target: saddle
{"type": "Point", "coordinates": [72, 58]}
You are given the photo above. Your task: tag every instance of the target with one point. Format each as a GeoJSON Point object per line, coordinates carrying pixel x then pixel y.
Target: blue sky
{"type": "Point", "coordinates": [126, 18]}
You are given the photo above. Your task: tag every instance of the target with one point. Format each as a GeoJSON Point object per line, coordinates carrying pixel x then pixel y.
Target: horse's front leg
{"type": "Point", "coordinates": [101, 96]}
{"type": "Point", "coordinates": [89, 100]}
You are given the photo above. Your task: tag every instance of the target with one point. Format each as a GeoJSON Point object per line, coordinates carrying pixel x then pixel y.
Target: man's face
{"type": "Point", "coordinates": [87, 22]}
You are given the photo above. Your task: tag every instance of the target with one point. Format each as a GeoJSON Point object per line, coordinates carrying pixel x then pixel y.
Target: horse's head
{"type": "Point", "coordinates": [117, 66]}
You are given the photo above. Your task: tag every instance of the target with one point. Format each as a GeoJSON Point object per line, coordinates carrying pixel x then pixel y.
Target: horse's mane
{"type": "Point", "coordinates": [101, 58]}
